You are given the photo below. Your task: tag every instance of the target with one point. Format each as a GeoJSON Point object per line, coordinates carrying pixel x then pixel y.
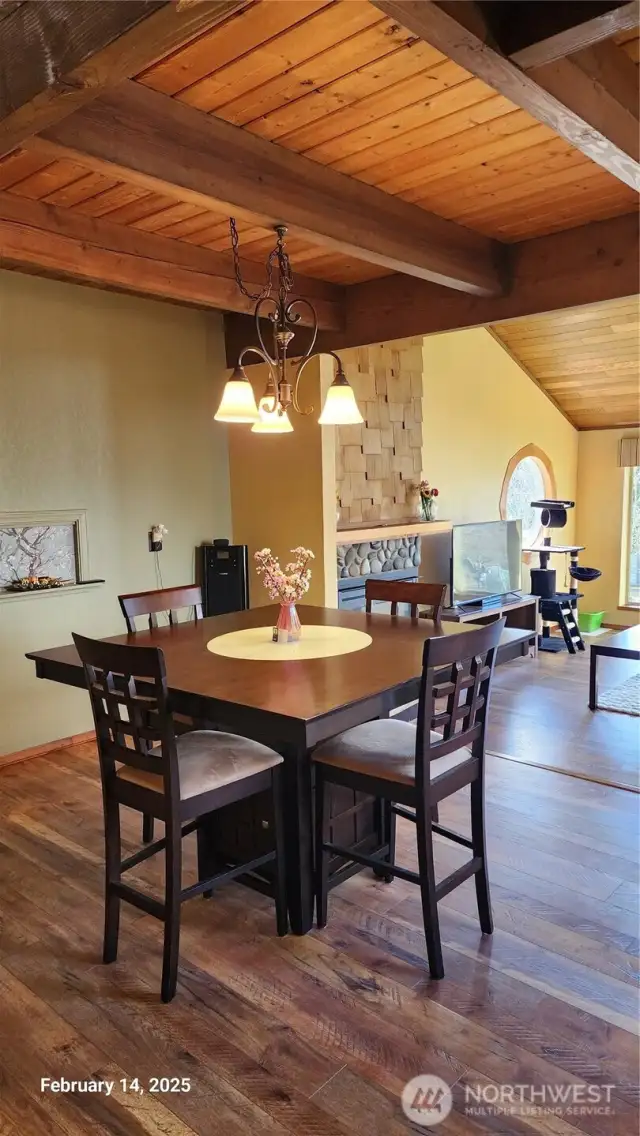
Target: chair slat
{"type": "Point", "coordinates": [414, 593]}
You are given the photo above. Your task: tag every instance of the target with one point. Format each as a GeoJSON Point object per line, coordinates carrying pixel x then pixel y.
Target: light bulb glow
{"type": "Point", "coordinates": [340, 406]}
{"type": "Point", "coordinates": [238, 402]}
{"type": "Point", "coordinates": [271, 421]}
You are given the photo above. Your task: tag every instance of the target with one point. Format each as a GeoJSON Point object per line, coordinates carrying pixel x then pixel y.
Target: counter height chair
{"type": "Point", "coordinates": [168, 601]}
{"type": "Point", "coordinates": [181, 780]}
{"type": "Point", "coordinates": [414, 593]}
{"type": "Point", "coordinates": [414, 767]}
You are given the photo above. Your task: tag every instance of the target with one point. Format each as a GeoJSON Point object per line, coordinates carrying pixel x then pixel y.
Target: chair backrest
{"type": "Point", "coordinates": [128, 691]}
{"type": "Point", "coordinates": [167, 600]}
{"type": "Point", "coordinates": [459, 669]}
{"type": "Point", "coordinates": [414, 593]}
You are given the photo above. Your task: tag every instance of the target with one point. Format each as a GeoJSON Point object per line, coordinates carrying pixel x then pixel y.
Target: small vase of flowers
{"type": "Point", "coordinates": [427, 495]}
{"type": "Point", "coordinates": [287, 586]}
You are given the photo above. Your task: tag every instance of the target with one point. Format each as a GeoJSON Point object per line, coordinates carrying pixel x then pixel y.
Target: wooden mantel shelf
{"type": "Point", "coordinates": [391, 531]}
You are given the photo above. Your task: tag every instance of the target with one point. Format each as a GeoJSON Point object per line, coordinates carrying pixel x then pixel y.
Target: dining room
{"type": "Point", "coordinates": [319, 546]}
{"type": "Point", "coordinates": [314, 964]}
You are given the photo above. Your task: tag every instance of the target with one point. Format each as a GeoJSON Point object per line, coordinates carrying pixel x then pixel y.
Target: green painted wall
{"type": "Point", "coordinates": [106, 404]}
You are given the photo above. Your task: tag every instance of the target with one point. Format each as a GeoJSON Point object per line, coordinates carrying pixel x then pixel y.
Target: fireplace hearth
{"type": "Point", "coordinates": [391, 559]}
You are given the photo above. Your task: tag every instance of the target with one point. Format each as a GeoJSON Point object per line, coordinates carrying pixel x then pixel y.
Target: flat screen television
{"type": "Point", "coordinates": [486, 561]}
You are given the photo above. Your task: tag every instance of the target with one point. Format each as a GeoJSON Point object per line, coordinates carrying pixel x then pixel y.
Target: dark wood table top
{"type": "Point", "coordinates": [302, 689]}
{"type": "Point", "coordinates": [625, 643]}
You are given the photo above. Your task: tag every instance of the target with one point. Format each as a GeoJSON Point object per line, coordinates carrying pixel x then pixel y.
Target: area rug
{"type": "Point", "coordinates": [624, 699]}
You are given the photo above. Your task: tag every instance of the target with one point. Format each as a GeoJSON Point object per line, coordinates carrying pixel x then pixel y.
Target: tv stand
{"type": "Point", "coordinates": [486, 603]}
{"type": "Point", "coordinates": [522, 615]}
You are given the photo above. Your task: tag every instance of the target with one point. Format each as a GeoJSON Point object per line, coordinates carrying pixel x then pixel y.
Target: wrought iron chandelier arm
{"type": "Point", "coordinates": [272, 382]}
{"type": "Point", "coordinates": [300, 368]}
{"type": "Point", "coordinates": [295, 317]}
{"type": "Point", "coordinates": [258, 315]}
{"type": "Point", "coordinates": [266, 358]}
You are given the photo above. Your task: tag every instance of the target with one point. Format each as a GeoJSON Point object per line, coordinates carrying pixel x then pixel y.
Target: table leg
{"type": "Point", "coordinates": [298, 820]}
{"type": "Point", "coordinates": [593, 679]}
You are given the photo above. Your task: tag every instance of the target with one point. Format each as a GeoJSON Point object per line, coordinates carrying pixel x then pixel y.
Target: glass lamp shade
{"type": "Point", "coordinates": [238, 402]}
{"type": "Point", "coordinates": [340, 406]}
{"type": "Point", "coordinates": [271, 421]}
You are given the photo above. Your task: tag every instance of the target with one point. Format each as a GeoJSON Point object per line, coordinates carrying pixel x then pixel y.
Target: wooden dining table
{"type": "Point", "coordinates": [290, 705]}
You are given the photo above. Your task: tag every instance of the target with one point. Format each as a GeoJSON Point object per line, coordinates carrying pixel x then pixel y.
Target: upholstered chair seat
{"type": "Point", "coordinates": [207, 760]}
{"type": "Point", "coordinates": [384, 748]}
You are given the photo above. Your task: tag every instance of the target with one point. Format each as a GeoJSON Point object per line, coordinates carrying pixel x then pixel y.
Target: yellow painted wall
{"type": "Point", "coordinates": [600, 520]}
{"type": "Point", "coordinates": [106, 404]}
{"type": "Point", "coordinates": [479, 409]}
{"type": "Point", "coordinates": [283, 488]}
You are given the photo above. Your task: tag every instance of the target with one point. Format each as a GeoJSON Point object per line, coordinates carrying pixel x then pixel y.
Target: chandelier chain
{"type": "Point", "coordinates": [278, 255]}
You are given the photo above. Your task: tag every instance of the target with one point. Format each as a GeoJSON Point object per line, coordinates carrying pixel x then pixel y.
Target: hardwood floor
{"type": "Point", "coordinates": [317, 1036]}
{"type": "Point", "coordinates": [540, 713]}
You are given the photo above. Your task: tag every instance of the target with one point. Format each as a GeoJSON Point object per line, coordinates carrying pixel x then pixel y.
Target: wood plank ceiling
{"type": "Point", "coordinates": [338, 82]}
{"type": "Point", "coordinates": [586, 359]}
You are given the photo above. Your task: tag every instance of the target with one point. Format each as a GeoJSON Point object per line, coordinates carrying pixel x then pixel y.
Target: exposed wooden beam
{"type": "Point", "coordinates": [146, 137]}
{"type": "Point", "coordinates": [570, 269]}
{"type": "Point", "coordinates": [599, 26]}
{"type": "Point", "coordinates": [47, 241]}
{"type": "Point", "coordinates": [569, 95]}
{"type": "Point", "coordinates": [57, 55]}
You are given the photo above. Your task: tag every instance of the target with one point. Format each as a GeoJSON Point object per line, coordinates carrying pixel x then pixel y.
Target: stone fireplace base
{"type": "Point", "coordinates": [391, 559]}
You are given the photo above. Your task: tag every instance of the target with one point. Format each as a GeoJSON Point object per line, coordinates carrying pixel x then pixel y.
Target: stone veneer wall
{"type": "Point", "coordinates": [378, 556]}
{"type": "Point", "coordinates": [378, 463]}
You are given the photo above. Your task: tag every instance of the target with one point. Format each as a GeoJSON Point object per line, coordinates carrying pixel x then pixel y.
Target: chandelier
{"type": "Point", "coordinates": [271, 415]}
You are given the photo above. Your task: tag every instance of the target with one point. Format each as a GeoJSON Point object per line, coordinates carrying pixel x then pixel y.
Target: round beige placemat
{"type": "Point", "coordinates": [317, 642]}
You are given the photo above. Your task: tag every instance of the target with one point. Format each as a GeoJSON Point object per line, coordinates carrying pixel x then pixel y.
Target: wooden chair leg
{"type": "Point", "coordinates": [208, 863]}
{"type": "Point", "coordinates": [390, 837]}
{"type": "Point", "coordinates": [383, 808]}
{"type": "Point", "coordinates": [113, 857]}
{"type": "Point", "coordinates": [480, 849]}
{"type": "Point", "coordinates": [277, 786]}
{"type": "Point", "coordinates": [173, 887]}
{"type": "Point", "coordinates": [426, 870]}
{"type": "Point", "coordinates": [321, 857]}
{"type": "Point", "coordinates": [147, 829]}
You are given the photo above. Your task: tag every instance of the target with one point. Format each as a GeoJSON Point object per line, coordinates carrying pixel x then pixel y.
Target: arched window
{"type": "Point", "coordinates": [529, 477]}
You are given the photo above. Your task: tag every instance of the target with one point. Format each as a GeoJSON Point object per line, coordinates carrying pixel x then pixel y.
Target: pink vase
{"type": "Point", "coordinates": [288, 628]}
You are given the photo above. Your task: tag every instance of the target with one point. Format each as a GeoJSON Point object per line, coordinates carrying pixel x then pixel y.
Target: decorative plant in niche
{"type": "Point", "coordinates": [287, 586]}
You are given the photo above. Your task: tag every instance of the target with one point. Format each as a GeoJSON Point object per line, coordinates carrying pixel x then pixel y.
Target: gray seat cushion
{"type": "Point", "coordinates": [385, 748]}
{"type": "Point", "coordinates": [208, 760]}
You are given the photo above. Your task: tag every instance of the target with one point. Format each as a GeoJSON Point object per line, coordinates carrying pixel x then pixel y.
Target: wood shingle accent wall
{"type": "Point", "coordinates": [379, 463]}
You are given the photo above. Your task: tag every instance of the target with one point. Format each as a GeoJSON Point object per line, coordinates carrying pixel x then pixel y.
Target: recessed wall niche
{"type": "Point", "coordinates": [47, 543]}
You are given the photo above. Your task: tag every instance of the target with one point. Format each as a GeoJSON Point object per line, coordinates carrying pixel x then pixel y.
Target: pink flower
{"type": "Point", "coordinates": [286, 586]}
